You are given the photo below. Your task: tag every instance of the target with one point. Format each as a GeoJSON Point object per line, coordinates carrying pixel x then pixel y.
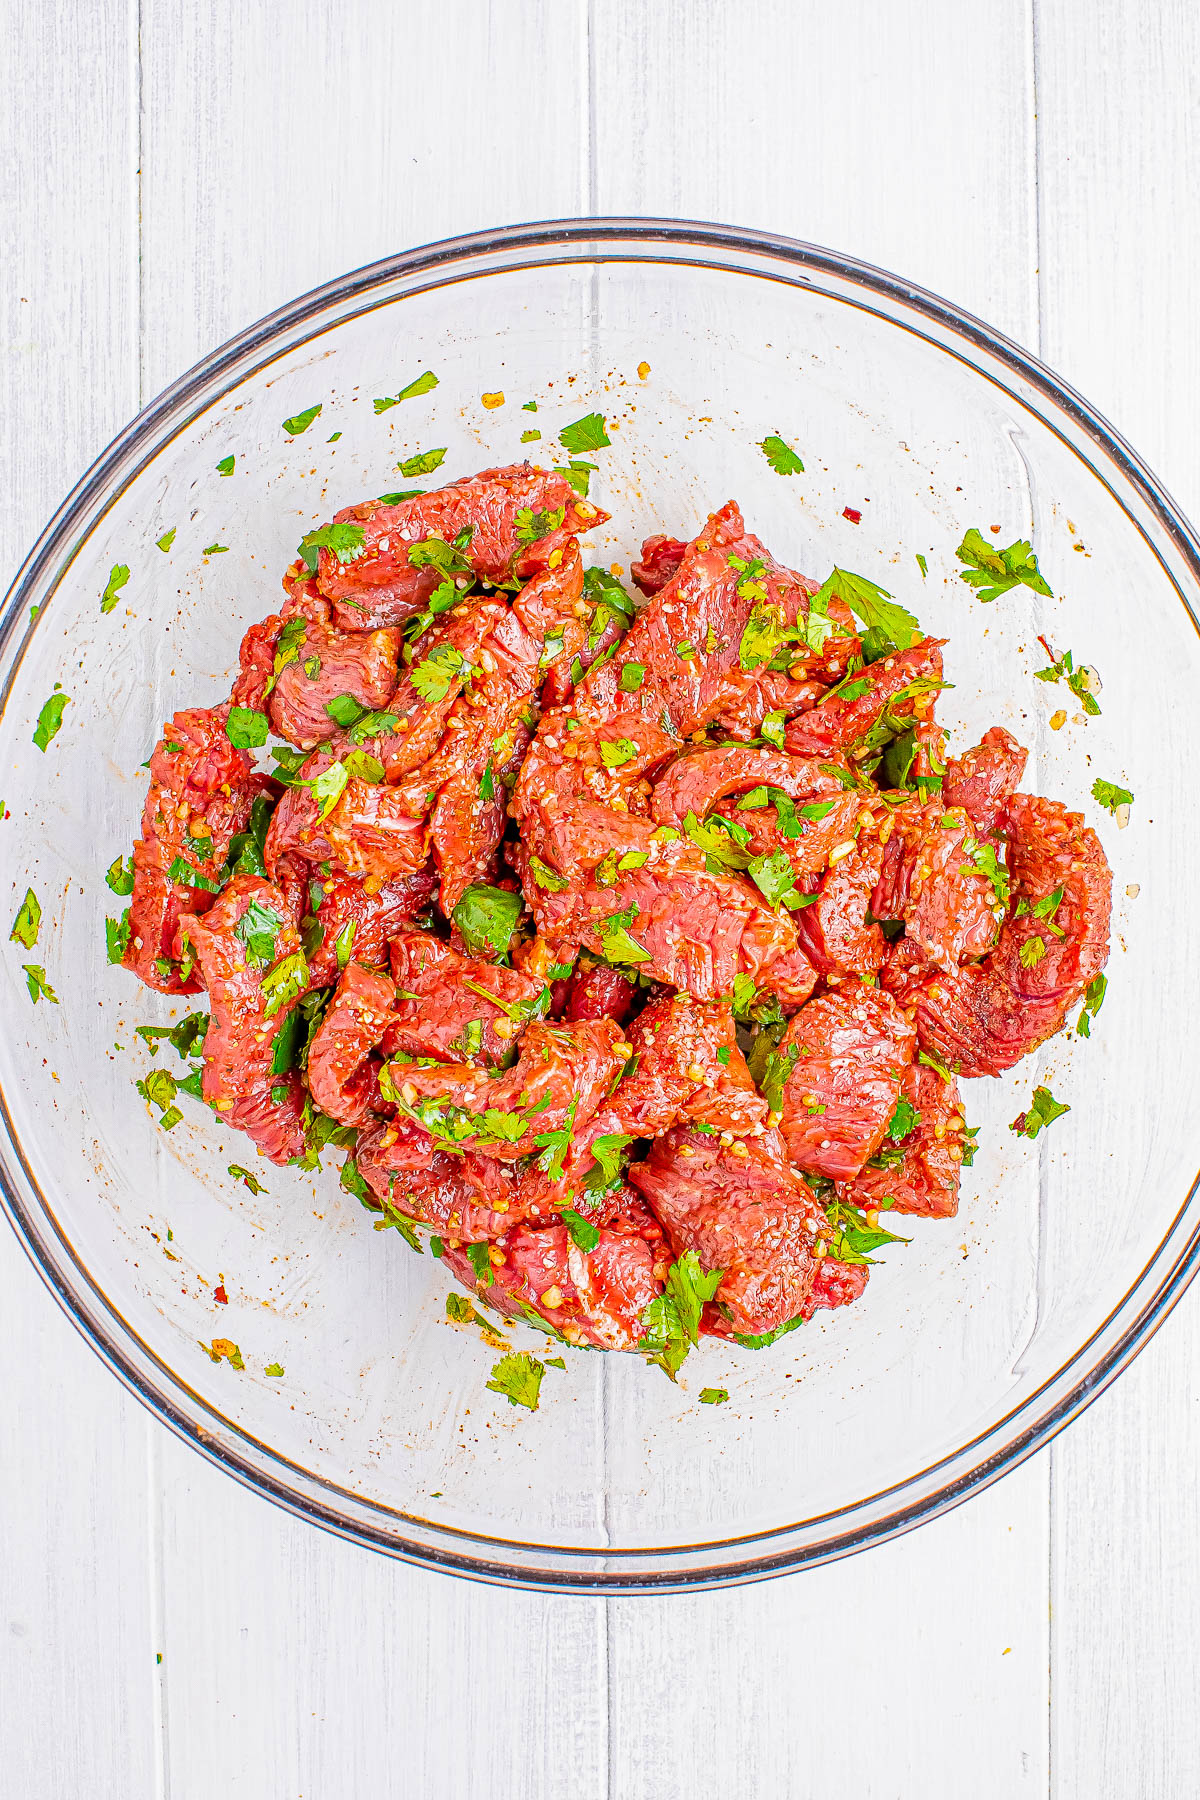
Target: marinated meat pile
{"type": "Point", "coordinates": [635, 952]}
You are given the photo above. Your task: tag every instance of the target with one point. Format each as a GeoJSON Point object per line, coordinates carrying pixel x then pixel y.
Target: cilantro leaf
{"type": "Point", "coordinates": [301, 421]}
{"type": "Point", "coordinates": [904, 1120]}
{"type": "Point", "coordinates": [532, 526]}
{"type": "Point", "coordinates": [246, 728]}
{"type": "Point", "coordinates": [518, 1377]}
{"type": "Point", "coordinates": [28, 921]}
{"type": "Point", "coordinates": [773, 875]}
{"type": "Point", "coordinates": [1043, 1110]}
{"type": "Point", "coordinates": [870, 603]}
{"type": "Point", "coordinates": [164, 542]}
{"type": "Point", "coordinates": [225, 466]}
{"type": "Point", "coordinates": [486, 918]}
{"type": "Point", "coordinates": [852, 1238]}
{"type": "Point", "coordinates": [615, 753]}
{"type": "Point", "coordinates": [985, 861]}
{"type": "Point", "coordinates": [762, 1339]}
{"type": "Point", "coordinates": [617, 945]}
{"type": "Point", "coordinates": [275, 1370]}
{"type": "Point", "coordinates": [434, 677]}
{"type": "Point", "coordinates": [993, 572]}
{"type": "Point", "coordinates": [607, 1149]}
{"type": "Point", "coordinates": [671, 1321]}
{"type": "Point", "coordinates": [345, 710]}
{"type": "Point", "coordinates": [422, 464]}
{"type": "Point", "coordinates": [116, 937]}
{"type": "Point", "coordinates": [1110, 795]}
{"type": "Point", "coordinates": [588, 433]}
{"type": "Point", "coordinates": [781, 456]}
{"type": "Point", "coordinates": [256, 1187]}
{"type": "Point", "coordinates": [35, 980]}
{"type": "Point", "coordinates": [546, 877]}
{"type": "Point", "coordinates": [632, 676]}
{"type": "Point", "coordinates": [1093, 1000]}
{"type": "Point", "coordinates": [117, 577]}
{"type": "Point", "coordinates": [224, 1349]}
{"type": "Point", "coordinates": [424, 384]}
{"type": "Point", "coordinates": [481, 1262]}
{"type": "Point", "coordinates": [343, 540]}
{"type": "Point", "coordinates": [50, 720]}
{"type": "Point", "coordinates": [713, 1396]}
{"type": "Point", "coordinates": [583, 1234]}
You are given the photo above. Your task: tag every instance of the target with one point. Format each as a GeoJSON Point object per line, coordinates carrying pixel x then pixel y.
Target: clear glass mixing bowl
{"type": "Point", "coordinates": [974, 1343]}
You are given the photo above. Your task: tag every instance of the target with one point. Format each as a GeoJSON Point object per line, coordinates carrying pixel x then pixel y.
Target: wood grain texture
{"type": "Point", "coordinates": [1120, 247]}
{"type": "Point", "coordinates": [76, 1657]}
{"type": "Point", "coordinates": [272, 159]}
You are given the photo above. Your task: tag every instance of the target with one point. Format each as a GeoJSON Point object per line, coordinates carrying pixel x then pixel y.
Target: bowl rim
{"type": "Point", "coordinates": [596, 1570]}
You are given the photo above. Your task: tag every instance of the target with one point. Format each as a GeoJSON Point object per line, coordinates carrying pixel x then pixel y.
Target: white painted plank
{"type": "Point", "coordinates": [301, 1666]}
{"type": "Point", "coordinates": [276, 158]}
{"type": "Point", "coordinates": [1120, 259]}
{"type": "Point", "coordinates": [900, 134]}
{"type": "Point", "coordinates": [76, 1647]}
{"type": "Point", "coordinates": [860, 128]}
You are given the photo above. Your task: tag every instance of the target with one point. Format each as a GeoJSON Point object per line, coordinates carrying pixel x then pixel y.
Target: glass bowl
{"type": "Point", "coordinates": [975, 1342]}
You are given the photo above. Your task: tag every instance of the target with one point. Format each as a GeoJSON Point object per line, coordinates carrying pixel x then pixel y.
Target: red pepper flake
{"type": "Point", "coordinates": [852, 513]}
{"type": "Point", "coordinates": [219, 1294]}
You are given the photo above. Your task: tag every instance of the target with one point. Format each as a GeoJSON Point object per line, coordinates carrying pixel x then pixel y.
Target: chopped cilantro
{"type": "Point", "coordinates": [904, 1120]}
{"type": "Point", "coordinates": [275, 1370]}
{"type": "Point", "coordinates": [852, 1238]}
{"type": "Point", "coordinates": [617, 944]}
{"type": "Point", "coordinates": [486, 918]}
{"type": "Point", "coordinates": [487, 782]}
{"type": "Point", "coordinates": [344, 710]}
{"type": "Point", "coordinates": [1032, 952]}
{"type": "Point", "coordinates": [285, 982]}
{"type": "Point", "coordinates": [423, 464]}
{"type": "Point", "coordinates": [870, 603]}
{"type": "Point", "coordinates": [518, 1377]}
{"type": "Point", "coordinates": [1110, 795]}
{"type": "Point", "coordinates": [632, 676]}
{"type": "Point", "coordinates": [772, 728]}
{"type": "Point", "coordinates": [1078, 680]}
{"type": "Point", "coordinates": [530, 437]}
{"type": "Point", "coordinates": [215, 550]}
{"type": "Point", "coordinates": [762, 1339]}
{"type": "Point", "coordinates": [781, 456]}
{"type": "Point", "coordinates": [993, 572]}
{"type": "Point", "coordinates": [225, 466]}
{"type": "Point", "coordinates": [615, 753]}
{"type": "Point", "coordinates": [28, 921]}
{"type": "Point", "coordinates": [224, 1350]}
{"type": "Point", "coordinates": [361, 766]}
{"type": "Point", "coordinates": [424, 384]}
{"type": "Point", "coordinates": [257, 928]}
{"type": "Point", "coordinates": [117, 577]}
{"type": "Point", "coordinates": [246, 728]}
{"type": "Point", "coordinates": [165, 541]}
{"type": "Point", "coordinates": [587, 433]}
{"type": "Point", "coordinates": [546, 877]}
{"type": "Point", "coordinates": [344, 540]}
{"type": "Point", "coordinates": [343, 943]}
{"type": "Point", "coordinates": [255, 1186]}
{"type": "Point", "coordinates": [671, 1321]}
{"type": "Point", "coordinates": [985, 861]}
{"type": "Point", "coordinates": [1043, 1110]}
{"type": "Point", "coordinates": [116, 937]}
{"type": "Point", "coordinates": [50, 719]}
{"type": "Point", "coordinates": [1093, 1000]}
{"type": "Point", "coordinates": [434, 677]}
{"type": "Point", "coordinates": [713, 1396]}
{"type": "Point", "coordinates": [481, 1262]}
{"type": "Point", "coordinates": [301, 421]}
{"type": "Point", "coordinates": [532, 526]}
{"type": "Point", "coordinates": [774, 876]}
{"type": "Point", "coordinates": [579, 474]}
{"type": "Point", "coordinates": [583, 1234]}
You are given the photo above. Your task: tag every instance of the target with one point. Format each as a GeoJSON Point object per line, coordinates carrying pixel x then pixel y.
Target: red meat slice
{"type": "Point", "coordinates": [921, 1169]}
{"type": "Point", "coordinates": [842, 720]}
{"type": "Point", "coordinates": [470, 1198]}
{"type": "Point", "coordinates": [327, 665]}
{"type": "Point", "coordinates": [698, 781]}
{"type": "Point", "coordinates": [984, 780]}
{"type": "Point", "coordinates": [835, 1284]}
{"type": "Point", "coordinates": [596, 1297]}
{"type": "Point", "coordinates": [487, 731]}
{"type": "Point", "coordinates": [556, 1084]}
{"type": "Point", "coordinates": [435, 1006]}
{"type": "Point", "coordinates": [742, 1209]}
{"type": "Point", "coordinates": [848, 1051]}
{"type": "Point", "coordinates": [928, 879]}
{"type": "Point", "coordinates": [596, 991]}
{"type": "Point", "coordinates": [239, 1081]}
{"type": "Point", "coordinates": [687, 1067]}
{"type": "Point", "coordinates": [983, 1018]}
{"type": "Point", "coordinates": [512, 514]}
{"type": "Point", "coordinates": [833, 932]}
{"type": "Point", "coordinates": [697, 928]}
{"type": "Point", "coordinates": [201, 792]}
{"type": "Point", "coordinates": [341, 1079]}
{"type": "Point", "coordinates": [658, 563]}
{"type": "Point", "coordinates": [356, 919]}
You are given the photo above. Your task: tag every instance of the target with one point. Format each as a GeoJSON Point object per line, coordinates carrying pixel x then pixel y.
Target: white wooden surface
{"type": "Point", "coordinates": [172, 171]}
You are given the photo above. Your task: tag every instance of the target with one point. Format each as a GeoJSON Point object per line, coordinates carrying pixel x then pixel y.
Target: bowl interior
{"type": "Point", "coordinates": [971, 1336]}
